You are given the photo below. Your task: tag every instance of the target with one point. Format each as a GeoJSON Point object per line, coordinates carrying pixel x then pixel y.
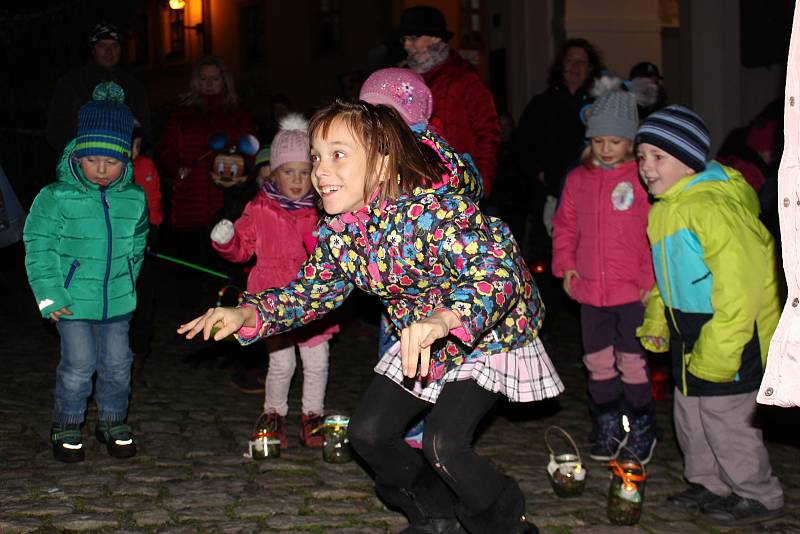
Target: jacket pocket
{"type": "Point", "coordinates": [72, 268]}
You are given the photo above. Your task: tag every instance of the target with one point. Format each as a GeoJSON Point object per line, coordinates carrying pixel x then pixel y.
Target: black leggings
{"type": "Point", "coordinates": [379, 423]}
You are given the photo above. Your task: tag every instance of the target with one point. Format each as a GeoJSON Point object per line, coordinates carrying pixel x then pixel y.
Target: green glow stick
{"type": "Point", "coordinates": [190, 265]}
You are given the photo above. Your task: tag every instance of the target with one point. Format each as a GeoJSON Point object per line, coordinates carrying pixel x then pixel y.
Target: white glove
{"type": "Point", "coordinates": [548, 213]}
{"type": "Point", "coordinates": [222, 232]}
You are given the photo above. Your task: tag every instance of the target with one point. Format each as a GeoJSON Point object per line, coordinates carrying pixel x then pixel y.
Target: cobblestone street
{"type": "Point", "coordinates": [192, 429]}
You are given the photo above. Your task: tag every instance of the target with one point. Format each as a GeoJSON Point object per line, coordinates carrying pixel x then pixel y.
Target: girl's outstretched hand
{"type": "Point", "coordinates": [417, 338]}
{"type": "Point", "coordinates": [222, 321]}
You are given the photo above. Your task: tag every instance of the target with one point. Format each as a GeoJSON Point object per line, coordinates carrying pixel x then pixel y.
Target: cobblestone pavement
{"type": "Point", "coordinates": [192, 428]}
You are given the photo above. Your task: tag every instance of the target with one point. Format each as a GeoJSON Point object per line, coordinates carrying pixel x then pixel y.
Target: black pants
{"type": "Point", "coordinates": [376, 432]}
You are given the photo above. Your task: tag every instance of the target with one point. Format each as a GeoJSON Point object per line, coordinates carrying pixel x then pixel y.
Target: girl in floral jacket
{"type": "Point", "coordinates": [454, 285]}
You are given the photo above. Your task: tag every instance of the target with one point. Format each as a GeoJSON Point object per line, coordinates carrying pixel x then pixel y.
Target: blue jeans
{"type": "Point", "coordinates": [86, 347]}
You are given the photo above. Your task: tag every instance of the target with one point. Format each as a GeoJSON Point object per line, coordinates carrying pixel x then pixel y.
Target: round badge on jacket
{"type": "Point", "coordinates": [622, 196]}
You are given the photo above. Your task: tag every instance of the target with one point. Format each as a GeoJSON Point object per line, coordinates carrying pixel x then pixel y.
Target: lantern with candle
{"type": "Point", "coordinates": [566, 470]}
{"type": "Point", "coordinates": [626, 491]}
{"type": "Point", "coordinates": [336, 445]}
{"type": "Point", "coordinates": [264, 440]}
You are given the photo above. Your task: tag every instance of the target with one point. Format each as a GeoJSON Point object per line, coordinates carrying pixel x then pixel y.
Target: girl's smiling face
{"type": "Point", "coordinates": [339, 169]}
{"type": "Point", "coordinates": [659, 169]}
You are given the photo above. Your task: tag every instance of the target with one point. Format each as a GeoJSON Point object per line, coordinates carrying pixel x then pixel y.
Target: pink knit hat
{"type": "Point", "coordinates": [290, 144]}
{"type": "Point", "coordinates": [404, 90]}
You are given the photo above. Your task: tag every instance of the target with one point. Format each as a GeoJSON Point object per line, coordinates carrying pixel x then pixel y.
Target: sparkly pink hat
{"type": "Point", "coordinates": [402, 89]}
{"type": "Point", "coordinates": [290, 144]}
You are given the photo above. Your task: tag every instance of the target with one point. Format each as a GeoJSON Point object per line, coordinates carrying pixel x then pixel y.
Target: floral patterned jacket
{"type": "Point", "coordinates": [420, 253]}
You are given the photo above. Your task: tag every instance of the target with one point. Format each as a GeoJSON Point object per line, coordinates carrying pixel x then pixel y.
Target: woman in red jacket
{"type": "Point", "coordinates": [210, 106]}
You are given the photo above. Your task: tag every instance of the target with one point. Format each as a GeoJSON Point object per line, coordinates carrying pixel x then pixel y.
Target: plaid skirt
{"type": "Point", "coordinates": [525, 374]}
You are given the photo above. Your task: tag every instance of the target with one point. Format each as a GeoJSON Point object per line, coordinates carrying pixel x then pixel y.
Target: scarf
{"type": "Point", "coordinates": [431, 57]}
{"type": "Point", "coordinates": [272, 191]}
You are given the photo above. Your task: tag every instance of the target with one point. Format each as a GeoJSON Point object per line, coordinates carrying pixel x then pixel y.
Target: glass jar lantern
{"type": "Point", "coordinates": [336, 445]}
{"type": "Point", "coordinates": [264, 440]}
{"type": "Point", "coordinates": [626, 491]}
{"type": "Point", "coordinates": [565, 468]}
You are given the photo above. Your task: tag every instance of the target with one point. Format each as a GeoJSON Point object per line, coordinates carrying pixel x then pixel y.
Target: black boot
{"type": "Point", "coordinates": [429, 505]}
{"type": "Point", "coordinates": [505, 516]}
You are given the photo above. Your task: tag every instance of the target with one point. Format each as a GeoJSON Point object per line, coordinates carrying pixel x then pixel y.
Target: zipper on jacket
{"type": "Point", "coordinates": [104, 201]}
{"type": "Point", "coordinates": [72, 267]}
{"type": "Point", "coordinates": [665, 271]}
{"type": "Point", "coordinates": [130, 271]}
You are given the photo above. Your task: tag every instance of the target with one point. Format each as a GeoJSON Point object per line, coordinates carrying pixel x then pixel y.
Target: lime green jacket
{"type": "Point", "coordinates": [84, 244]}
{"type": "Point", "coordinates": [716, 297]}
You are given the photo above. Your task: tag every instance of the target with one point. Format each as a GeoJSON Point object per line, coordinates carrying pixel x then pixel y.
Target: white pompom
{"type": "Point", "coordinates": [605, 84]}
{"type": "Point", "coordinates": [294, 121]}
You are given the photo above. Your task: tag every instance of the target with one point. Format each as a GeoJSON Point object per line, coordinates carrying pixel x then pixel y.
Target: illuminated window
{"type": "Point", "coordinates": [471, 24]}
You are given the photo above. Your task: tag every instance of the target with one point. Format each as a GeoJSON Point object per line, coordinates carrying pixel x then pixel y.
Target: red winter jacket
{"type": "Point", "coordinates": [146, 175]}
{"type": "Point", "coordinates": [184, 143]}
{"type": "Point", "coordinates": [600, 230]}
{"type": "Point", "coordinates": [275, 235]}
{"type": "Point", "coordinates": [464, 114]}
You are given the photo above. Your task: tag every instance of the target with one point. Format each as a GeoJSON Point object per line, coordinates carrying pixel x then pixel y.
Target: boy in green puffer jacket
{"type": "Point", "coordinates": [84, 243]}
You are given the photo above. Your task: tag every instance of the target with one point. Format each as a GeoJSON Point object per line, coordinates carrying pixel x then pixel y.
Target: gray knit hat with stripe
{"type": "Point", "coordinates": [614, 114]}
{"type": "Point", "coordinates": [680, 132]}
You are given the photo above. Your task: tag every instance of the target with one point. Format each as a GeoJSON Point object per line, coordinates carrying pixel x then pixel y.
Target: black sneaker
{"type": "Point", "coordinates": [734, 511]}
{"type": "Point", "coordinates": [117, 437]}
{"type": "Point", "coordinates": [693, 498]}
{"type": "Point", "coordinates": [67, 444]}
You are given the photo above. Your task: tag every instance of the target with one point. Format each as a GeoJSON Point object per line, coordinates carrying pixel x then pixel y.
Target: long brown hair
{"type": "Point", "coordinates": [383, 133]}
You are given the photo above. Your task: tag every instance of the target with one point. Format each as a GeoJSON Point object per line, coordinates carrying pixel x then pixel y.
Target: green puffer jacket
{"type": "Point", "coordinates": [84, 244]}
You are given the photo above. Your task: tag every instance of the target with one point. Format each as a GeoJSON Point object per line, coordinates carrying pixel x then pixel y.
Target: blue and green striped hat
{"type": "Point", "coordinates": [105, 125]}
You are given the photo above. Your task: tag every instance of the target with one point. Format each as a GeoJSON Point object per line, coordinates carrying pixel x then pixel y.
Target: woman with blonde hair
{"type": "Point", "coordinates": [209, 107]}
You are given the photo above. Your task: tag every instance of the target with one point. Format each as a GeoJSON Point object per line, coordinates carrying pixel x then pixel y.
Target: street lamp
{"type": "Point", "coordinates": [178, 5]}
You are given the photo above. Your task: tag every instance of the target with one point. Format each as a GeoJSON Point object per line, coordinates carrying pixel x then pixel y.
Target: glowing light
{"type": "Point", "coordinates": [177, 4]}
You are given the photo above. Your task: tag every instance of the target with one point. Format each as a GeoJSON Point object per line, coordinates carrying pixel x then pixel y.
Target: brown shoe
{"type": "Point", "coordinates": [311, 430]}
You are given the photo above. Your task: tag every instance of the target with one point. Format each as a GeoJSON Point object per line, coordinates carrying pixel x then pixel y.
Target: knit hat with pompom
{"type": "Point", "coordinates": [613, 112]}
{"type": "Point", "coordinates": [105, 125]}
{"type": "Point", "coordinates": [402, 89]}
{"type": "Point", "coordinates": [291, 143]}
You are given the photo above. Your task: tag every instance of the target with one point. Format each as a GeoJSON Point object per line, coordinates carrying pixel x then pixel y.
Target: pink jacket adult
{"type": "Point", "coordinates": [275, 235]}
{"type": "Point", "coordinates": [600, 231]}
{"type": "Point", "coordinates": [781, 383]}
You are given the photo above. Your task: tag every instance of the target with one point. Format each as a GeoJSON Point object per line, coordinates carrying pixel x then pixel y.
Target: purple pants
{"type": "Point", "coordinates": [613, 356]}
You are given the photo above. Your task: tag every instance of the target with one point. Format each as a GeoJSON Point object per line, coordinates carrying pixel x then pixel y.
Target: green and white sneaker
{"type": "Point", "coordinates": [117, 437]}
{"type": "Point", "coordinates": [67, 444]}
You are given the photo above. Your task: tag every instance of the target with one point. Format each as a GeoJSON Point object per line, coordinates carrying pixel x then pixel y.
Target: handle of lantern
{"type": "Point", "coordinates": [566, 436]}
{"type": "Point", "coordinates": [626, 476]}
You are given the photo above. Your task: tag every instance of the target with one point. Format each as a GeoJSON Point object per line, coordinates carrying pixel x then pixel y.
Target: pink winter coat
{"type": "Point", "coordinates": [781, 383]}
{"type": "Point", "coordinates": [600, 231]}
{"type": "Point", "coordinates": [275, 235]}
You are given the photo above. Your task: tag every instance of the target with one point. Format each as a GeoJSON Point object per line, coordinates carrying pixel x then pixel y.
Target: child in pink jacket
{"type": "Point", "coordinates": [276, 226]}
{"type": "Point", "coordinates": [601, 251]}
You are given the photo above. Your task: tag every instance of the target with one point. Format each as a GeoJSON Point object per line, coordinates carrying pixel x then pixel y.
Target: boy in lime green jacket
{"type": "Point", "coordinates": [84, 242]}
{"type": "Point", "coordinates": [714, 308]}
